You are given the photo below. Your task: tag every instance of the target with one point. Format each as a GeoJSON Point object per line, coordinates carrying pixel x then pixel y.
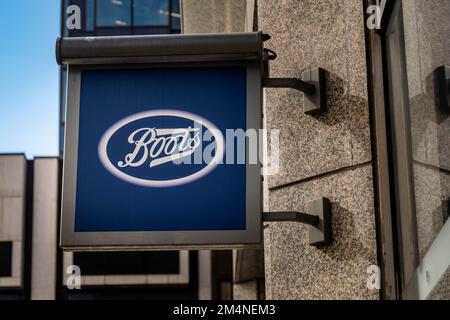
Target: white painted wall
{"type": "Point", "coordinates": [45, 206]}
{"type": "Point", "coordinates": [204, 275]}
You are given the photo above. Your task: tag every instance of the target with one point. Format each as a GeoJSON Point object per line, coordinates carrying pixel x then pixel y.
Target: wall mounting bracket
{"type": "Point", "coordinates": [318, 218]}
{"type": "Point", "coordinates": [313, 86]}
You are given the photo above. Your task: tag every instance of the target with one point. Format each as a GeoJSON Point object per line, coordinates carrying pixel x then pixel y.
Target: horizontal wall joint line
{"type": "Point", "coordinates": [319, 176]}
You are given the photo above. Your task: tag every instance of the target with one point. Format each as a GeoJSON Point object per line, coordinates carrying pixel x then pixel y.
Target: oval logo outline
{"type": "Point", "coordinates": [106, 162]}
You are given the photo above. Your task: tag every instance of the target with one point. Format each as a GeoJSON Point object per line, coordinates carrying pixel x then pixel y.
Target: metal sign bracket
{"type": "Point", "coordinates": [318, 218]}
{"type": "Point", "coordinates": [313, 83]}
{"type": "Point", "coordinates": [313, 86]}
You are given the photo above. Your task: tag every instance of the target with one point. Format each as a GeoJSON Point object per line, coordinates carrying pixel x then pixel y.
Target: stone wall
{"type": "Point", "coordinates": [323, 156]}
{"type": "Point", "coordinates": [213, 16]}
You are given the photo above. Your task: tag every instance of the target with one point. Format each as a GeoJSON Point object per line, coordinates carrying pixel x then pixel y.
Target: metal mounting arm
{"type": "Point", "coordinates": [313, 86]}
{"type": "Point", "coordinates": [291, 217]}
{"type": "Point", "coordinates": [318, 218]}
{"type": "Point", "coordinates": [293, 83]}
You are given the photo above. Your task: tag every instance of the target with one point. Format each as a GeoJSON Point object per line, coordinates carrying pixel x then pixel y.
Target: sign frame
{"type": "Point", "coordinates": [160, 240]}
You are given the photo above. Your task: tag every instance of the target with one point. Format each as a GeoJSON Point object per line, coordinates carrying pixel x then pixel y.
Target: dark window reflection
{"type": "Point", "coordinates": [113, 13]}
{"type": "Point", "coordinates": [5, 259]}
{"type": "Point", "coordinates": [125, 17]}
{"type": "Point", "coordinates": [175, 15]}
{"type": "Point", "coordinates": [128, 263]}
{"type": "Point", "coordinates": [90, 11]}
{"type": "Point", "coordinates": [151, 12]}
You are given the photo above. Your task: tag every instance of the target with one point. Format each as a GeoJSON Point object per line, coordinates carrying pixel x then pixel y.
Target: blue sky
{"type": "Point", "coordinates": [29, 83]}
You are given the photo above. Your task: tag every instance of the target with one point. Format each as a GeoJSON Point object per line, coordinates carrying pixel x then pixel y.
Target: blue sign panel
{"type": "Point", "coordinates": [149, 112]}
{"type": "Point", "coordinates": [147, 157]}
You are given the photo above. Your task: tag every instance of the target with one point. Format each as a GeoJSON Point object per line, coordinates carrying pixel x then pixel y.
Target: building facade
{"type": "Point", "coordinates": [380, 153]}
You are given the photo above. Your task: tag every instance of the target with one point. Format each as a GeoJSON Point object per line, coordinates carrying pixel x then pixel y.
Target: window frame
{"type": "Point", "coordinates": [404, 273]}
{"type": "Point", "coordinates": [132, 24]}
{"type": "Point", "coordinates": [401, 151]}
{"type": "Point", "coordinates": [384, 198]}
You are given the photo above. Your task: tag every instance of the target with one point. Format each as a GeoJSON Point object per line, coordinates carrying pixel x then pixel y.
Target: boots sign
{"type": "Point", "coordinates": [148, 162]}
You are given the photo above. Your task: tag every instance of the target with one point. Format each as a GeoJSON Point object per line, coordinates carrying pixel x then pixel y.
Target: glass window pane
{"type": "Point", "coordinates": [417, 46]}
{"type": "Point", "coordinates": [5, 259]}
{"type": "Point", "coordinates": [400, 140]}
{"type": "Point", "coordinates": [427, 47]}
{"type": "Point", "coordinates": [113, 13]}
{"type": "Point", "coordinates": [90, 15]}
{"type": "Point", "coordinates": [151, 12]}
{"type": "Point", "coordinates": [176, 16]}
{"type": "Point", "coordinates": [129, 263]}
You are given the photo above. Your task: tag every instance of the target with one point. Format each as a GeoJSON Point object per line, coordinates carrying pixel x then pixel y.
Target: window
{"type": "Point", "coordinates": [417, 48]}
{"type": "Point", "coordinates": [90, 11]}
{"type": "Point", "coordinates": [128, 263]}
{"type": "Point", "coordinates": [137, 13]}
{"type": "Point", "coordinates": [5, 259]}
{"type": "Point", "coordinates": [176, 15]}
{"type": "Point", "coordinates": [151, 13]}
{"type": "Point", "coordinates": [113, 13]}
{"type": "Point", "coordinates": [125, 17]}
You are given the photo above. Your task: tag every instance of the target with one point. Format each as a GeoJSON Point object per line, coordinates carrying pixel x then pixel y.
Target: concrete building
{"type": "Point", "coordinates": [380, 153]}
{"type": "Point", "coordinates": [32, 266]}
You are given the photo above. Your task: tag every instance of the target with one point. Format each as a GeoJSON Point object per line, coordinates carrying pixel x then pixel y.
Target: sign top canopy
{"type": "Point", "coordinates": [160, 48]}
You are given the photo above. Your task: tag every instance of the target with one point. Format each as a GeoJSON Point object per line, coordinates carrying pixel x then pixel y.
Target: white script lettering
{"type": "Point", "coordinates": [160, 145]}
